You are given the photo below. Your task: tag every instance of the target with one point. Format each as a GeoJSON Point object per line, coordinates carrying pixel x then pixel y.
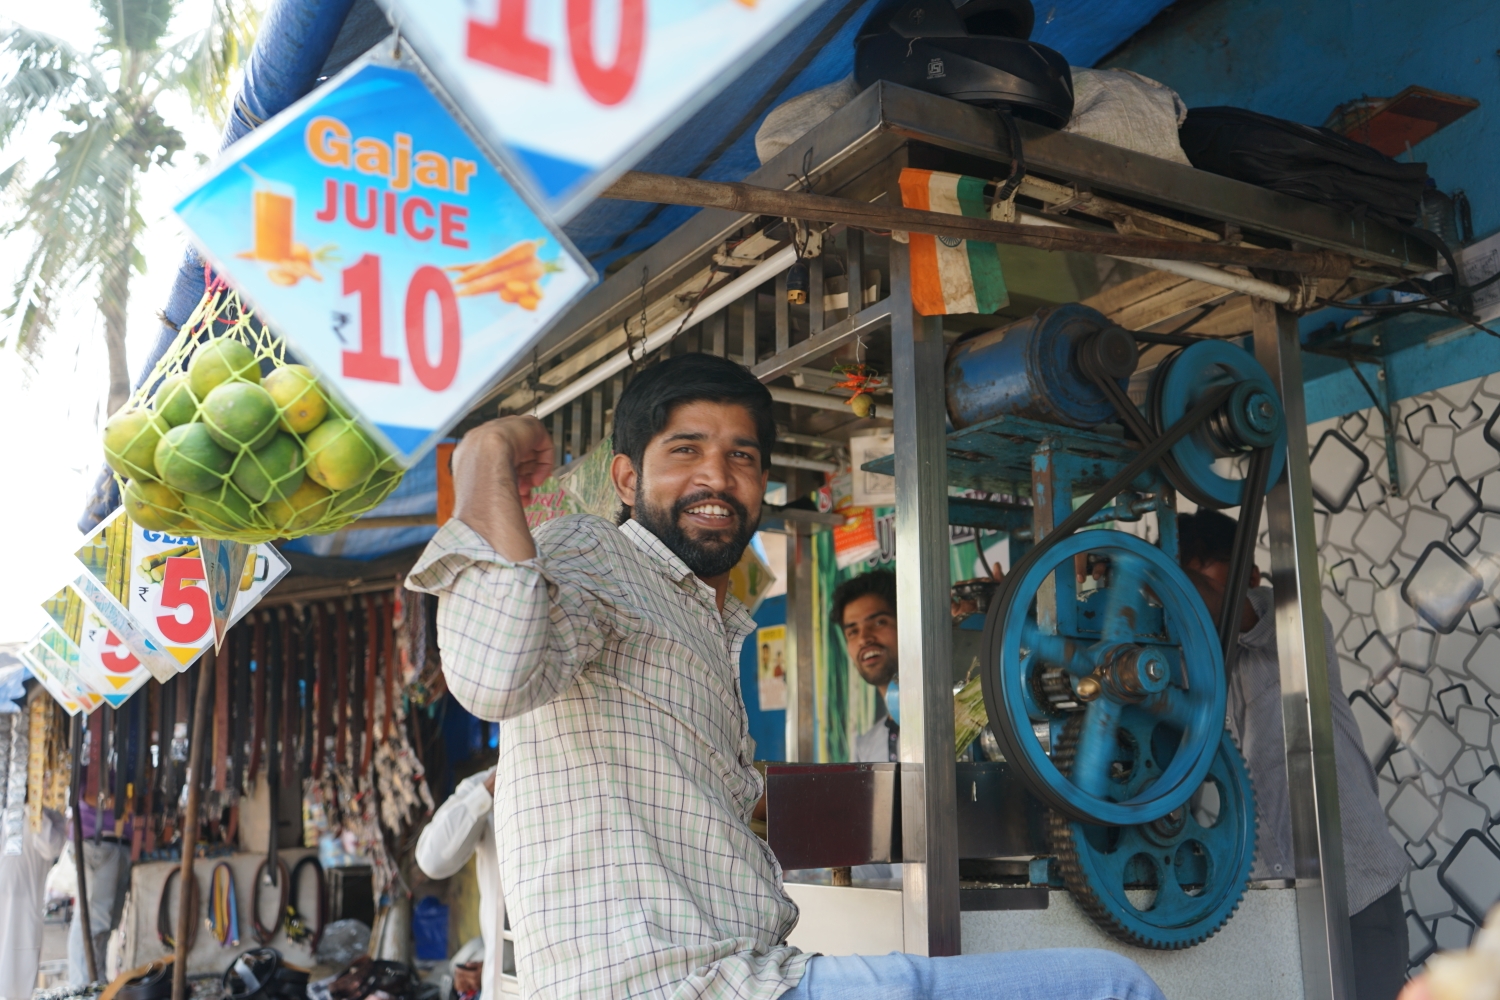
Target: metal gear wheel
{"type": "Point", "coordinates": [1171, 883]}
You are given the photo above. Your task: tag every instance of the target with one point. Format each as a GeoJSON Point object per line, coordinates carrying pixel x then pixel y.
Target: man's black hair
{"type": "Point", "coordinates": [647, 402]}
{"type": "Point", "coordinates": [1207, 536]}
{"type": "Point", "coordinates": [880, 582]}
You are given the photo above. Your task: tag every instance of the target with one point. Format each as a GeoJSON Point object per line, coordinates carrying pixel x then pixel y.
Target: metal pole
{"type": "Point", "coordinates": [1312, 780]}
{"type": "Point", "coordinates": [930, 914]}
{"type": "Point", "coordinates": [196, 758]}
{"type": "Point", "coordinates": [754, 200]}
{"type": "Point", "coordinates": [84, 924]}
{"type": "Point", "coordinates": [799, 596]}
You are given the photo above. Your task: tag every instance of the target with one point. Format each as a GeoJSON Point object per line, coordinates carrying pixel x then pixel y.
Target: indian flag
{"type": "Point", "coordinates": [951, 275]}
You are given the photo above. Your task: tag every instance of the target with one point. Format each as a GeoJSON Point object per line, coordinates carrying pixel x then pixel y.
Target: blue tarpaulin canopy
{"type": "Point", "coordinates": [305, 41]}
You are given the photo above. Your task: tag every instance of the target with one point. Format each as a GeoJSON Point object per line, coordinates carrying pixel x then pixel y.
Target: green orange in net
{"type": "Point", "coordinates": [174, 401]}
{"type": "Point", "coordinates": [339, 456]}
{"type": "Point", "coordinates": [220, 512]}
{"type": "Point", "coordinates": [130, 439]}
{"type": "Point", "coordinates": [272, 473]}
{"type": "Point", "coordinates": [154, 506]}
{"type": "Point", "coordinates": [219, 361]}
{"type": "Point", "coordinates": [188, 460]}
{"type": "Point", "coordinates": [298, 397]}
{"type": "Point", "coordinates": [239, 416]}
{"type": "Point", "coordinates": [307, 505]}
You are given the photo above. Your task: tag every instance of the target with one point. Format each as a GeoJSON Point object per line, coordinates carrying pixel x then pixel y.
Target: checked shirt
{"type": "Point", "coordinates": [626, 778]}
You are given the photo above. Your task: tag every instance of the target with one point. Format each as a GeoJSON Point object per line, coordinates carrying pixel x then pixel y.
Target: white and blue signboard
{"type": "Point", "coordinates": [576, 92]}
{"type": "Point", "coordinates": [368, 229]}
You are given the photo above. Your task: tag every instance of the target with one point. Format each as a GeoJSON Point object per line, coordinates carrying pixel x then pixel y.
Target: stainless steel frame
{"type": "Point", "coordinates": [930, 912]}
{"type": "Point", "coordinates": [852, 154]}
{"type": "Point", "coordinates": [1307, 717]}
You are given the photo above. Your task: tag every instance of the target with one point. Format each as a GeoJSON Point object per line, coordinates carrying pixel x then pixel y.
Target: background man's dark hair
{"type": "Point", "coordinates": [647, 402]}
{"type": "Point", "coordinates": [880, 582]}
{"type": "Point", "coordinates": [1207, 536]}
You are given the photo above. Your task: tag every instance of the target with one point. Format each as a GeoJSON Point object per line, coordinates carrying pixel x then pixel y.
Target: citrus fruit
{"type": "Point", "coordinates": [219, 361]}
{"type": "Point", "coordinates": [303, 508]}
{"type": "Point", "coordinates": [367, 494]}
{"type": "Point", "coordinates": [239, 415]}
{"type": "Point", "coordinates": [130, 440]}
{"type": "Point", "coordinates": [174, 401]}
{"type": "Point", "coordinates": [153, 506]}
{"type": "Point", "coordinates": [222, 511]}
{"type": "Point", "coordinates": [188, 460]}
{"type": "Point", "coordinates": [339, 456]}
{"type": "Point", "coordinates": [298, 397]}
{"type": "Point", "coordinates": [273, 472]}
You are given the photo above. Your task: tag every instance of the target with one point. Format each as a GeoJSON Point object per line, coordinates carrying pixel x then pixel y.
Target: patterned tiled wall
{"type": "Point", "coordinates": [1411, 584]}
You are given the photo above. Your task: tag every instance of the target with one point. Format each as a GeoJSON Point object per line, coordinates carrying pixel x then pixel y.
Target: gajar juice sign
{"type": "Point", "coordinates": [372, 233]}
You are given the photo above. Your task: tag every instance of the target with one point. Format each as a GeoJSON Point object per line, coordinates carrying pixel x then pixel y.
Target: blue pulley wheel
{"type": "Point", "coordinates": [1135, 663]}
{"type": "Point", "coordinates": [1170, 883]}
{"type": "Point", "coordinates": [1210, 464]}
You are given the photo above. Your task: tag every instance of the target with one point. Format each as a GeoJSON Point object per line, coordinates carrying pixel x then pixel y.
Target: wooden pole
{"type": "Point", "coordinates": [751, 200]}
{"type": "Point", "coordinates": [82, 895]}
{"type": "Point", "coordinates": [196, 762]}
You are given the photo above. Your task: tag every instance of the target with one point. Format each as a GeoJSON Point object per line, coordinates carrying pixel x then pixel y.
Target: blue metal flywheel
{"type": "Point", "coordinates": [1209, 464]}
{"type": "Point", "coordinates": [1136, 666]}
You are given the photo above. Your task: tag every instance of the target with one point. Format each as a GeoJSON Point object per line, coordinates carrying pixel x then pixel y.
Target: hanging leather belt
{"type": "Point", "coordinates": [296, 924]}
{"type": "Point", "coordinates": [271, 866]}
{"type": "Point", "coordinates": [322, 702]}
{"type": "Point", "coordinates": [94, 761]}
{"type": "Point", "coordinates": [257, 696]}
{"type": "Point", "coordinates": [289, 702]}
{"type": "Point", "coordinates": [372, 665]}
{"type": "Point", "coordinates": [164, 921]}
{"type": "Point", "coordinates": [341, 647]}
{"type": "Point", "coordinates": [271, 668]}
{"type": "Point", "coordinates": [392, 664]}
{"type": "Point", "coordinates": [119, 771]}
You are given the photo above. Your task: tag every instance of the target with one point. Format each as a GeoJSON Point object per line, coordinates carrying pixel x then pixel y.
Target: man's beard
{"type": "Point", "coordinates": [706, 557]}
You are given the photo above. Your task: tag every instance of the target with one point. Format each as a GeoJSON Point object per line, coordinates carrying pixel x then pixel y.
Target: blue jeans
{"type": "Point", "coordinates": [1047, 974]}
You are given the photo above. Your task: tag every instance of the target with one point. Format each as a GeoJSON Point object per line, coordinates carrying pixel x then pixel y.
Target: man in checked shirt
{"type": "Point", "coordinates": [626, 778]}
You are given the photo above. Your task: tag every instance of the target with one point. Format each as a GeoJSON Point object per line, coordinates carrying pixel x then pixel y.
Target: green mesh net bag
{"type": "Point", "coordinates": [238, 443]}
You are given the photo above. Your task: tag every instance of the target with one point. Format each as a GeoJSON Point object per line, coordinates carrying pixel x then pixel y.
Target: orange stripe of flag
{"type": "Point", "coordinates": [926, 283]}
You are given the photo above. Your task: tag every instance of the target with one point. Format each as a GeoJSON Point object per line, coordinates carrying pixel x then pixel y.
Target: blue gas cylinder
{"type": "Point", "coordinates": [1029, 369]}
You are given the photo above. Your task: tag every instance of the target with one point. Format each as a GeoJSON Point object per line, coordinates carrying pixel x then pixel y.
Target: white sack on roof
{"type": "Point", "coordinates": [1126, 109]}
{"type": "Point", "coordinates": [792, 119]}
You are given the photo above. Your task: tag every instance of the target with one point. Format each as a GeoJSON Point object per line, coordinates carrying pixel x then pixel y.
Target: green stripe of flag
{"type": "Point", "coordinates": [990, 293]}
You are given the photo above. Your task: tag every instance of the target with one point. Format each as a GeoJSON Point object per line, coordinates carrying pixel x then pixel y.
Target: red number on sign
{"type": "Point", "coordinates": [368, 363]}
{"type": "Point", "coordinates": [431, 281]}
{"type": "Point", "coordinates": [607, 84]}
{"type": "Point", "coordinates": [176, 590]}
{"type": "Point", "coordinates": [117, 658]}
{"type": "Point", "coordinates": [504, 44]}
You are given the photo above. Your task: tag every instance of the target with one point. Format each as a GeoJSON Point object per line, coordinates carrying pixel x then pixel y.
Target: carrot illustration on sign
{"type": "Point", "coordinates": [515, 274]}
{"type": "Point", "coordinates": [290, 261]}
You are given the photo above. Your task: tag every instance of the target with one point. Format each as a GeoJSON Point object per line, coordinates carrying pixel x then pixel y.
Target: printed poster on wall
{"type": "Point", "coordinates": [770, 667]}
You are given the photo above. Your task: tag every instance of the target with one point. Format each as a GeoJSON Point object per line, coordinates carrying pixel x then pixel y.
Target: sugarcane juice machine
{"type": "Point", "coordinates": [1111, 774]}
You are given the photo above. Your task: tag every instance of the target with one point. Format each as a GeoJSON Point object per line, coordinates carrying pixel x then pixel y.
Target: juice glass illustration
{"type": "Point", "coordinates": [273, 206]}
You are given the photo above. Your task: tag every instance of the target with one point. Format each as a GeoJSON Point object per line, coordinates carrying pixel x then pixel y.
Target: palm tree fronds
{"type": "Point", "coordinates": [47, 72]}
{"type": "Point", "coordinates": [203, 65]}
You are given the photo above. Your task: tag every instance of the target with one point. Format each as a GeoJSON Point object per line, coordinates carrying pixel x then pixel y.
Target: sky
{"type": "Point", "coordinates": [51, 412]}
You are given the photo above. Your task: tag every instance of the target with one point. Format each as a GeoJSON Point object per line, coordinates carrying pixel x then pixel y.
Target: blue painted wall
{"type": "Point", "coordinates": [1300, 60]}
{"type": "Point", "coordinates": [767, 729]}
